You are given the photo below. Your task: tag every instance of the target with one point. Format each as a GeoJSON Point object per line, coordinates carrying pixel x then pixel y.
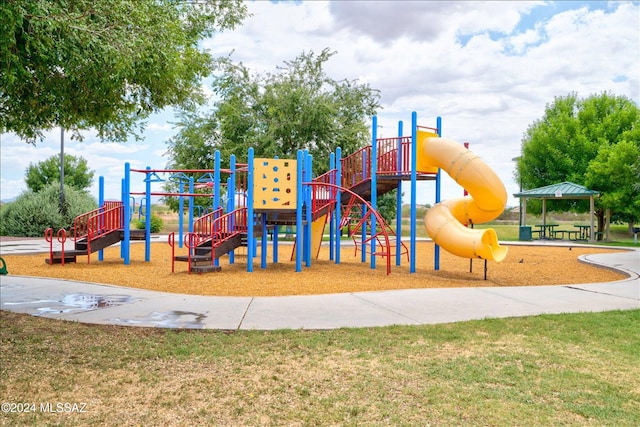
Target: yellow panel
{"type": "Point", "coordinates": [274, 183]}
{"type": "Point", "coordinates": [317, 232]}
{"type": "Point", "coordinates": [422, 164]}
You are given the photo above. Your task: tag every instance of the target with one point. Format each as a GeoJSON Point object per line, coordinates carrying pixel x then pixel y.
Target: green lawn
{"type": "Point", "coordinates": [577, 369]}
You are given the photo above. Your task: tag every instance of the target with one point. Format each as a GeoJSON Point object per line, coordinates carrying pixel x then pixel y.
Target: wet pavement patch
{"type": "Point", "coordinates": [169, 319]}
{"type": "Point", "coordinates": [75, 302]}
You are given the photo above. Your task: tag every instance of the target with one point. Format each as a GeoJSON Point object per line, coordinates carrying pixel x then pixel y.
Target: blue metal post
{"type": "Point", "coordinates": [190, 203]}
{"type": "Point", "coordinates": [216, 193]}
{"type": "Point", "coordinates": [101, 204]}
{"type": "Point", "coordinates": [365, 210]}
{"type": "Point", "coordinates": [250, 222]}
{"type": "Point", "coordinates": [399, 199]}
{"type": "Point", "coordinates": [299, 203]}
{"type": "Point", "coordinates": [332, 226]}
{"type": "Point", "coordinates": [374, 186]}
{"type": "Point", "coordinates": [263, 241]}
{"type": "Point", "coordinates": [231, 194]}
{"type": "Point", "coordinates": [436, 249]}
{"type": "Point", "coordinates": [414, 151]}
{"type": "Point", "coordinates": [126, 192]}
{"type": "Point", "coordinates": [276, 232]}
{"type": "Point", "coordinates": [308, 177]}
{"type": "Point", "coordinates": [147, 222]}
{"type": "Point", "coordinates": [216, 181]}
{"type": "Point", "coordinates": [338, 202]}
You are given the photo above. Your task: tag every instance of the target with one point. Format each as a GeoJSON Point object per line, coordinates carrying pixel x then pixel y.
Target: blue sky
{"type": "Point", "coordinates": [487, 68]}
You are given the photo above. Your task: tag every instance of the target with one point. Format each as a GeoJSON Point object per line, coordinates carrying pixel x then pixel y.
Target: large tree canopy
{"type": "Point", "coordinates": [593, 142]}
{"type": "Point", "coordinates": [76, 173]}
{"type": "Point", "coordinates": [297, 107]}
{"type": "Point", "coordinates": [104, 64]}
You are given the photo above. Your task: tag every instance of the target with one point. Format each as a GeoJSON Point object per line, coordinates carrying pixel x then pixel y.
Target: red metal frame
{"type": "Point", "coordinates": [384, 234]}
{"type": "Point", "coordinates": [171, 239]}
{"type": "Point", "coordinates": [322, 198]}
{"type": "Point", "coordinates": [61, 236]}
{"type": "Point", "coordinates": [97, 222]}
{"type": "Point", "coordinates": [387, 161]}
{"type": "Point", "coordinates": [215, 227]}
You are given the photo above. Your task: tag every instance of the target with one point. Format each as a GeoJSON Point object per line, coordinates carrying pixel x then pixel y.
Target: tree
{"type": "Point", "coordinates": [613, 172]}
{"type": "Point", "coordinates": [297, 107]}
{"type": "Point", "coordinates": [76, 173]}
{"type": "Point", "coordinates": [593, 142]}
{"type": "Point", "coordinates": [104, 64]}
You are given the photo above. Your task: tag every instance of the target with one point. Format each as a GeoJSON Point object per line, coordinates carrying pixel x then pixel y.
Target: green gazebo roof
{"type": "Point", "coordinates": [557, 191]}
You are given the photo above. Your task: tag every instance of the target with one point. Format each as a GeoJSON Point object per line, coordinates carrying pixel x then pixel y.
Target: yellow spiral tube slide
{"type": "Point", "coordinates": [486, 201]}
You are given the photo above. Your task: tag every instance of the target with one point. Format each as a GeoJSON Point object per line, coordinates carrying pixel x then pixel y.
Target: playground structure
{"type": "Point", "coordinates": [262, 195]}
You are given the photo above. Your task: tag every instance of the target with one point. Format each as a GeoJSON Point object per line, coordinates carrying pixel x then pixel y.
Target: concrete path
{"type": "Point", "coordinates": [106, 304]}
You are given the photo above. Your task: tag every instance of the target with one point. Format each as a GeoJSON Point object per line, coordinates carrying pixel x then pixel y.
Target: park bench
{"type": "Point", "coordinates": [573, 235]}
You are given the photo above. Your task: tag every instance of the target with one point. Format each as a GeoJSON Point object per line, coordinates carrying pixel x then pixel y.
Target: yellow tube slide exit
{"type": "Point", "coordinates": [486, 201]}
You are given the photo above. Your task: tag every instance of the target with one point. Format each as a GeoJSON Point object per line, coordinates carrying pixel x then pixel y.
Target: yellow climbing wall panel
{"type": "Point", "coordinates": [274, 183]}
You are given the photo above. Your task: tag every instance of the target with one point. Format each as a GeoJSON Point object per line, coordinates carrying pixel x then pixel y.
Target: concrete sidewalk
{"type": "Point", "coordinates": [105, 304]}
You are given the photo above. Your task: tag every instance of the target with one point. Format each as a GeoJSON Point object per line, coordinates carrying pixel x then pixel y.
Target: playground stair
{"type": "Point", "coordinates": [215, 234]}
{"type": "Point", "coordinates": [84, 246]}
{"type": "Point", "coordinates": [204, 253]}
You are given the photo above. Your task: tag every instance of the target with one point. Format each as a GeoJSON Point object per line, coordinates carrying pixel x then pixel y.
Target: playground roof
{"type": "Point", "coordinates": [566, 189]}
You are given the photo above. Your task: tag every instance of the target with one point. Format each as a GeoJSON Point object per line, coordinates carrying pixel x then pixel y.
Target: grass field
{"type": "Point", "coordinates": [577, 369]}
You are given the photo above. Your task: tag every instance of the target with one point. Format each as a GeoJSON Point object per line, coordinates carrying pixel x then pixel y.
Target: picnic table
{"type": "Point", "coordinates": [584, 231]}
{"type": "Point", "coordinates": [546, 231]}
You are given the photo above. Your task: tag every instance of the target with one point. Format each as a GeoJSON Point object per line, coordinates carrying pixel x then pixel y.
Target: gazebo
{"type": "Point", "coordinates": [563, 190]}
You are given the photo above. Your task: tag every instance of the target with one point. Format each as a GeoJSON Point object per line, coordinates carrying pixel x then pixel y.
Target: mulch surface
{"type": "Point", "coordinates": [524, 266]}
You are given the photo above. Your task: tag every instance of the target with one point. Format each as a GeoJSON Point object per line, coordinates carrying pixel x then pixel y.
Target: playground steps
{"type": "Point", "coordinates": [97, 244]}
{"type": "Point", "coordinates": [202, 261]}
{"type": "Point", "coordinates": [69, 257]}
{"type": "Point", "coordinates": [223, 246]}
{"type": "Point", "coordinates": [107, 239]}
{"type": "Point", "coordinates": [205, 269]}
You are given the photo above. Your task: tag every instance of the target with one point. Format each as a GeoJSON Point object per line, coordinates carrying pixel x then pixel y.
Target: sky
{"type": "Point", "coordinates": [488, 69]}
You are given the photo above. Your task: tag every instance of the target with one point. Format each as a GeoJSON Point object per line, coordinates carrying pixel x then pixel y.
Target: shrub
{"type": "Point", "coordinates": [156, 224]}
{"type": "Point", "coordinates": [32, 213]}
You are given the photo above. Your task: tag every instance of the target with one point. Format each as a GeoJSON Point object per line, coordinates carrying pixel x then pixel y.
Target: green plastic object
{"type": "Point", "coordinates": [3, 267]}
{"type": "Point", "coordinates": [525, 234]}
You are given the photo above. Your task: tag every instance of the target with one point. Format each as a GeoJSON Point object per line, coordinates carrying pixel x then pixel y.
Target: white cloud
{"type": "Point", "coordinates": [488, 68]}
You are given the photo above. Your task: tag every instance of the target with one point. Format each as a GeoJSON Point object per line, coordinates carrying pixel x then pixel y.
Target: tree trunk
{"type": "Point", "coordinates": [600, 216]}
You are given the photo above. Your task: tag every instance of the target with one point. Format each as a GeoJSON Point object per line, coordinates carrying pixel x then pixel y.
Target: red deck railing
{"type": "Point", "coordinates": [323, 196]}
{"type": "Point", "coordinates": [99, 221]}
{"type": "Point", "coordinates": [388, 162]}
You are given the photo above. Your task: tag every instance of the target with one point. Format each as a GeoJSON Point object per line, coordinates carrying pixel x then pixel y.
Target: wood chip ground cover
{"type": "Point", "coordinates": [524, 266]}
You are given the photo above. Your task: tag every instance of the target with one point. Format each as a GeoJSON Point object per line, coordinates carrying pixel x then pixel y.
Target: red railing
{"type": "Point", "coordinates": [388, 162]}
{"type": "Point", "coordinates": [324, 196]}
{"type": "Point", "coordinates": [203, 226]}
{"type": "Point", "coordinates": [213, 227]}
{"type": "Point", "coordinates": [356, 167]}
{"type": "Point", "coordinates": [229, 225]}
{"type": "Point", "coordinates": [387, 154]}
{"type": "Point", "coordinates": [99, 221]}
{"type": "Point", "coordinates": [62, 238]}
